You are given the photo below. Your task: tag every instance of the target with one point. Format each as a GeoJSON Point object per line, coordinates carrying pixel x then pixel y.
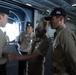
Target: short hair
{"type": "Point", "coordinates": [4, 10]}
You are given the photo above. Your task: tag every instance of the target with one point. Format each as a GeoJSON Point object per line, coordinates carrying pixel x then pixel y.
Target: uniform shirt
{"type": "Point", "coordinates": [64, 51]}
{"type": "Point", "coordinates": [26, 41]}
{"type": "Point", "coordinates": [3, 45]}
{"type": "Point", "coordinates": [40, 46]}
{"type": "Point", "coordinates": [21, 37]}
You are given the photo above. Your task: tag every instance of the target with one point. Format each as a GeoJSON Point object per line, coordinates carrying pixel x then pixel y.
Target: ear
{"type": "Point", "coordinates": [61, 17]}
{"type": "Point", "coordinates": [0, 16]}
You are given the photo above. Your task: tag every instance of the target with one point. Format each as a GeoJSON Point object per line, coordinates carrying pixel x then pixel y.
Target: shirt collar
{"type": "Point", "coordinates": [60, 28]}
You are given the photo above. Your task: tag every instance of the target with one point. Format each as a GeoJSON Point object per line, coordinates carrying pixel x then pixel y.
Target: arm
{"type": "Point", "coordinates": [12, 56]}
{"type": "Point", "coordinates": [39, 52]}
{"type": "Point", "coordinates": [68, 44]}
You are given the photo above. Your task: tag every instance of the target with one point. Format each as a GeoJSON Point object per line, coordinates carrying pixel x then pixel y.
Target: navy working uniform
{"type": "Point", "coordinates": [4, 12]}
{"type": "Point", "coordinates": [64, 52]}
{"type": "Point", "coordinates": [25, 41]}
{"type": "Point", "coordinates": [64, 45]}
{"type": "Point", "coordinates": [40, 46]}
{"type": "Point", "coordinates": [38, 50]}
{"type": "Point", "coordinates": [3, 60]}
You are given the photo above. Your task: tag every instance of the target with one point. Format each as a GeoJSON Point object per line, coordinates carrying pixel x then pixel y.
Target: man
{"type": "Point", "coordinates": [64, 46]}
{"type": "Point", "coordinates": [3, 20]}
{"type": "Point", "coordinates": [26, 39]}
{"type": "Point", "coordinates": [39, 49]}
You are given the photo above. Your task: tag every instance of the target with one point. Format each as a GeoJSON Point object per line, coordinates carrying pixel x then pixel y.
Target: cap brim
{"type": "Point", "coordinates": [47, 18]}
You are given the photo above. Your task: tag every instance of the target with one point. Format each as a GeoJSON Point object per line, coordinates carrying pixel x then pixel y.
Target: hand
{"type": "Point", "coordinates": [4, 54]}
{"type": "Point", "coordinates": [12, 57]}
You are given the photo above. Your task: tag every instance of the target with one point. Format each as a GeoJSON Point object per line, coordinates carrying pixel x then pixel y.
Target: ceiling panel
{"type": "Point", "coordinates": [44, 5]}
{"type": "Point", "coordinates": [50, 4]}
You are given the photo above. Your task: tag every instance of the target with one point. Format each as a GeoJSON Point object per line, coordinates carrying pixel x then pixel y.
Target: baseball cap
{"type": "Point", "coordinates": [58, 11]}
{"type": "Point", "coordinates": [29, 24]}
{"type": "Point", "coordinates": [55, 12]}
{"type": "Point", "coordinates": [4, 10]}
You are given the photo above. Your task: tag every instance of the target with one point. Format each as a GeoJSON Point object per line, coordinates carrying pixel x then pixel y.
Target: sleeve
{"type": "Point", "coordinates": [3, 43]}
{"type": "Point", "coordinates": [43, 47]}
{"type": "Point", "coordinates": [20, 39]}
{"type": "Point", "coordinates": [2, 47]}
{"type": "Point", "coordinates": [68, 44]}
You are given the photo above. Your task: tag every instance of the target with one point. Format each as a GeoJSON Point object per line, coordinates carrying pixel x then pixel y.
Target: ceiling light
{"type": "Point", "coordinates": [73, 4]}
{"type": "Point", "coordinates": [28, 4]}
{"type": "Point", "coordinates": [48, 11]}
{"type": "Point", "coordinates": [68, 18]}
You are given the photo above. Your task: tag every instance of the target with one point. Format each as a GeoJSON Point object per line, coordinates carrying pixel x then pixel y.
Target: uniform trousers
{"type": "Point", "coordinates": [22, 65]}
{"type": "Point", "coordinates": [35, 68]}
{"type": "Point", "coordinates": [3, 69]}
